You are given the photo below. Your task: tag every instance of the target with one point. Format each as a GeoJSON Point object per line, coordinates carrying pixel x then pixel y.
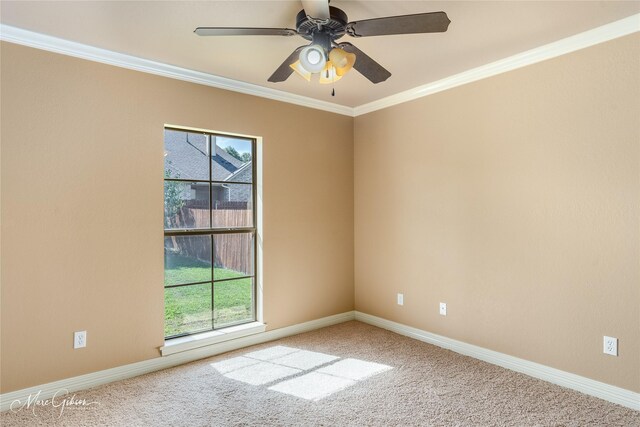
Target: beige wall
{"type": "Point", "coordinates": [82, 168]}
{"type": "Point", "coordinates": [515, 200]}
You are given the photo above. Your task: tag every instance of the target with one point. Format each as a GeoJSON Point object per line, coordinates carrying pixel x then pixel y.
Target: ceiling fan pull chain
{"type": "Point", "coordinates": [333, 83]}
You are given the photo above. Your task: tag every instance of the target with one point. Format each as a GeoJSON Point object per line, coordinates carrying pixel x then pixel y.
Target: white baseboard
{"type": "Point", "coordinates": [584, 385]}
{"type": "Point", "coordinates": [94, 379]}
{"type": "Point", "coordinates": [588, 386]}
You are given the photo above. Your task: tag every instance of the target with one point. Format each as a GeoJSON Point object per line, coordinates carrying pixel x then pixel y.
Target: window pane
{"type": "Point", "coordinates": [186, 204]}
{"type": "Point", "coordinates": [232, 205]}
{"type": "Point", "coordinates": [185, 155]}
{"type": "Point", "coordinates": [209, 184]}
{"type": "Point", "coordinates": [187, 309]}
{"type": "Point", "coordinates": [187, 259]}
{"type": "Point", "coordinates": [234, 255]}
{"type": "Point", "coordinates": [232, 160]}
{"type": "Point", "coordinates": [233, 302]}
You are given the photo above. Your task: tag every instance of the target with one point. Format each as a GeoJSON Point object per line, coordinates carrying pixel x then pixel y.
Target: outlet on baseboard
{"type": "Point", "coordinates": [80, 339]}
{"type": "Point", "coordinates": [443, 308]}
{"type": "Point", "coordinates": [610, 346]}
{"type": "Point", "coordinates": [400, 299]}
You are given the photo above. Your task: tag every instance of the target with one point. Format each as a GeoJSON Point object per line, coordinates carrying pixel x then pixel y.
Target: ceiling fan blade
{"type": "Point", "coordinates": [316, 8]}
{"type": "Point", "coordinates": [284, 70]}
{"type": "Point", "coordinates": [366, 66]}
{"type": "Point", "coordinates": [434, 22]}
{"type": "Point", "coordinates": [240, 31]}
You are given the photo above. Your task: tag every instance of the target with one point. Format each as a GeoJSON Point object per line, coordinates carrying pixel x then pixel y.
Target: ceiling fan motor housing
{"type": "Point", "coordinates": [322, 31]}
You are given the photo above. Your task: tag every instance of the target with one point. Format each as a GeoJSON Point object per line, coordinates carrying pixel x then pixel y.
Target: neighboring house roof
{"type": "Point", "coordinates": [187, 158]}
{"type": "Point", "coordinates": [229, 165]}
{"type": "Point", "coordinates": [243, 174]}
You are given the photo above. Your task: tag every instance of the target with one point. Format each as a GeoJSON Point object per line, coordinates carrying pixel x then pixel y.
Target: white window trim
{"type": "Point", "coordinates": [189, 342]}
{"type": "Point", "coordinates": [177, 345]}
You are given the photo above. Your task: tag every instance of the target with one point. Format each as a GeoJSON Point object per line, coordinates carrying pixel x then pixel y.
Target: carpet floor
{"type": "Point", "coordinates": [351, 374]}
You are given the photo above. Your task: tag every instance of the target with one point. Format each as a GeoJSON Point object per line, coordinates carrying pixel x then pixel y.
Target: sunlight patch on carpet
{"type": "Point", "coordinates": [303, 359]}
{"type": "Point", "coordinates": [277, 363]}
{"type": "Point", "coordinates": [261, 373]}
{"type": "Point", "coordinates": [271, 352]}
{"type": "Point", "coordinates": [233, 364]}
{"type": "Point", "coordinates": [354, 369]}
{"type": "Point", "coordinates": [312, 386]}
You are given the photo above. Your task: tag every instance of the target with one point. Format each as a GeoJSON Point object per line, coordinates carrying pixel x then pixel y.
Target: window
{"type": "Point", "coordinates": [209, 231]}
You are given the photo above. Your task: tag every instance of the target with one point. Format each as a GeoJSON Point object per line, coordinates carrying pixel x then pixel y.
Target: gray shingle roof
{"type": "Point", "coordinates": [186, 158]}
{"type": "Point", "coordinates": [243, 174]}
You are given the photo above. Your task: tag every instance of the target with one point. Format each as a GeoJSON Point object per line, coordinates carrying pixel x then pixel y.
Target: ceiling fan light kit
{"type": "Point", "coordinates": [323, 25]}
{"type": "Point", "coordinates": [338, 64]}
{"type": "Point", "coordinates": [313, 58]}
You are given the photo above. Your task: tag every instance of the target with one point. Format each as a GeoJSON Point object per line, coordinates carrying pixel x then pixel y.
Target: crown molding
{"type": "Point", "coordinates": [570, 44]}
{"type": "Point", "coordinates": [79, 50]}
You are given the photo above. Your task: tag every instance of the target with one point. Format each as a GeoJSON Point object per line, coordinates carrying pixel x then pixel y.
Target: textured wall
{"type": "Point", "coordinates": [514, 199]}
{"type": "Point", "coordinates": [82, 202]}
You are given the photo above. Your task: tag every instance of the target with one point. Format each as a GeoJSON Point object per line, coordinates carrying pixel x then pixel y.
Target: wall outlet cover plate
{"type": "Point", "coordinates": [610, 346]}
{"type": "Point", "coordinates": [80, 339]}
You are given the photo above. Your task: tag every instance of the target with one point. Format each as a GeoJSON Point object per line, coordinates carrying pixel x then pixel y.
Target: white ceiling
{"type": "Point", "coordinates": [480, 32]}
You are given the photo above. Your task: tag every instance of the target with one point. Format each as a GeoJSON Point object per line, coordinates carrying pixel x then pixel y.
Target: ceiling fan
{"type": "Point", "coordinates": [323, 25]}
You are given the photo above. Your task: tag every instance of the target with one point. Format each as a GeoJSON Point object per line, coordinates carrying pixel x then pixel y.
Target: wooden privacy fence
{"type": "Point", "coordinates": [232, 251]}
{"type": "Point", "coordinates": [235, 252]}
{"type": "Point", "coordinates": [225, 218]}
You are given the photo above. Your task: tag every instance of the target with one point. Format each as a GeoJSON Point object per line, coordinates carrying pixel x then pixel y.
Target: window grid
{"type": "Point", "coordinates": [213, 231]}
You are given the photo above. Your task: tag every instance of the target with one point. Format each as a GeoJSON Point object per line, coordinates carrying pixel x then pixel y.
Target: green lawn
{"type": "Point", "coordinates": [188, 308]}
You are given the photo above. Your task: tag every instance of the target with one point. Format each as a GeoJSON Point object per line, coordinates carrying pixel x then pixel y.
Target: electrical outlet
{"type": "Point", "coordinates": [80, 339]}
{"type": "Point", "coordinates": [400, 299]}
{"type": "Point", "coordinates": [443, 308]}
{"type": "Point", "coordinates": [610, 346]}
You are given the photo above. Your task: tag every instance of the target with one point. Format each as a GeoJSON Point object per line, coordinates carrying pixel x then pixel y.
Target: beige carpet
{"type": "Point", "coordinates": [350, 374]}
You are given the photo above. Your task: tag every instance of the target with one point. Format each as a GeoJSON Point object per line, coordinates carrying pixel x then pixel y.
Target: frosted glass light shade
{"type": "Point", "coordinates": [313, 58]}
{"type": "Point", "coordinates": [329, 74]}
{"type": "Point", "coordinates": [342, 60]}
{"type": "Point", "coordinates": [297, 67]}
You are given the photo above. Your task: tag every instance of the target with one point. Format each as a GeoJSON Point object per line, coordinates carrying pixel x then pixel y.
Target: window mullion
{"type": "Point", "coordinates": [213, 249]}
{"type": "Point", "coordinates": [207, 231]}
{"type": "Point", "coordinates": [213, 289]}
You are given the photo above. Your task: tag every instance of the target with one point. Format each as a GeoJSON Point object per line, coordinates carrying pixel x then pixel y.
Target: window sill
{"type": "Point", "coordinates": [177, 345]}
